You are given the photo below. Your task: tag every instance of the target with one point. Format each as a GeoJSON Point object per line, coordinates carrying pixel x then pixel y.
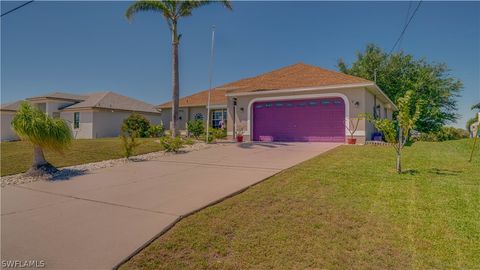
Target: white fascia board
{"type": "Point", "coordinates": [378, 90]}
{"type": "Point", "coordinates": [329, 87]}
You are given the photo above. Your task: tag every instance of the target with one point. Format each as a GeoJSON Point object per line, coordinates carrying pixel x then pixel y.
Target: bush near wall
{"type": "Point", "coordinates": [445, 134]}
{"type": "Point", "coordinates": [136, 123]}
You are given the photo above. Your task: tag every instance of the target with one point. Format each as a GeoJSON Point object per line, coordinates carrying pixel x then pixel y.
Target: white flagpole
{"type": "Point", "coordinates": [210, 82]}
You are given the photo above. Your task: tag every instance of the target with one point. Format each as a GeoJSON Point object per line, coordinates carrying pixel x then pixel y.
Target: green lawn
{"type": "Point", "coordinates": [16, 157]}
{"type": "Point", "coordinates": [346, 209]}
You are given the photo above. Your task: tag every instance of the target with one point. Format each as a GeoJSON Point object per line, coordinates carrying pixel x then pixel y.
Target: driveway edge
{"type": "Point", "coordinates": [179, 218]}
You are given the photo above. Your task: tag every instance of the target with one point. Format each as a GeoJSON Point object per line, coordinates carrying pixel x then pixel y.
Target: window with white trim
{"type": "Point", "coordinates": [219, 118]}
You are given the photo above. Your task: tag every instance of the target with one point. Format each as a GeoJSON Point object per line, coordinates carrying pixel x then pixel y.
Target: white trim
{"type": "Point", "coordinates": [323, 95]}
{"type": "Point", "coordinates": [358, 133]}
{"type": "Point", "coordinates": [385, 96]}
{"type": "Point", "coordinates": [328, 87]}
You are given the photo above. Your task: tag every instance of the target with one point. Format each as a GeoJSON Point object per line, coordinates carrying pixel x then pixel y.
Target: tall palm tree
{"type": "Point", "coordinates": [42, 131]}
{"type": "Point", "coordinates": [172, 11]}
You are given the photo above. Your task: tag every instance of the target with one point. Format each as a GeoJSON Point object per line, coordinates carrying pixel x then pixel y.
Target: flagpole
{"type": "Point", "coordinates": [210, 82]}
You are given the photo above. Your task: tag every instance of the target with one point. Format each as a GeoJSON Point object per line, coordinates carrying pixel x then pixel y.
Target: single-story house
{"type": "Point", "coordinates": [295, 103]}
{"type": "Point", "coordinates": [90, 116]}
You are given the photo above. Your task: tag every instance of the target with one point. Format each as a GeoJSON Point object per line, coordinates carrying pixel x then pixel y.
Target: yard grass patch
{"type": "Point", "coordinates": [16, 157]}
{"type": "Point", "coordinates": [345, 209]}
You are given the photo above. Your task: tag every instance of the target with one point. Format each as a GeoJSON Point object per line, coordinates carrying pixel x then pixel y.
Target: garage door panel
{"type": "Point", "coordinates": [299, 120]}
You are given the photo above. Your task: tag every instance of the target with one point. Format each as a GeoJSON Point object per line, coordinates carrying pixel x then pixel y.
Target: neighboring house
{"type": "Point", "coordinates": [7, 112]}
{"type": "Point", "coordinates": [296, 103]}
{"type": "Point", "coordinates": [90, 116]}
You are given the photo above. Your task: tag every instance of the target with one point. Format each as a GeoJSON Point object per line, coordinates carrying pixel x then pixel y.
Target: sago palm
{"type": "Point", "coordinates": [172, 11]}
{"type": "Point", "coordinates": [43, 132]}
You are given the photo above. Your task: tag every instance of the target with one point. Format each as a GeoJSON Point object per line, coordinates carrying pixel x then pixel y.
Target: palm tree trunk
{"type": "Point", "coordinates": [40, 165]}
{"type": "Point", "coordinates": [38, 157]}
{"type": "Point", "coordinates": [175, 80]}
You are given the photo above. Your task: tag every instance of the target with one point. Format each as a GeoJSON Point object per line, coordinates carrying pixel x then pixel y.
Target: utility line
{"type": "Point", "coordinates": [405, 28]}
{"type": "Point", "coordinates": [13, 9]}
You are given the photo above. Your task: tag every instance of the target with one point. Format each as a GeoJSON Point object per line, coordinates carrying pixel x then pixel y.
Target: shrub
{"type": "Point", "coordinates": [171, 144]}
{"type": "Point", "coordinates": [204, 137]}
{"type": "Point", "coordinates": [156, 131]}
{"type": "Point", "coordinates": [188, 141]}
{"type": "Point", "coordinates": [218, 133]}
{"type": "Point", "coordinates": [444, 134]}
{"type": "Point", "coordinates": [129, 143]}
{"type": "Point", "coordinates": [195, 128]}
{"type": "Point", "coordinates": [136, 123]}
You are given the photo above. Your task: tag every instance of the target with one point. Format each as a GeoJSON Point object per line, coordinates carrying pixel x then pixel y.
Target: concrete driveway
{"type": "Point", "coordinates": [94, 221]}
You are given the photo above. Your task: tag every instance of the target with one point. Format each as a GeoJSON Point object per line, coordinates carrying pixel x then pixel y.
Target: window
{"type": "Point", "coordinates": [385, 113]}
{"type": "Point", "coordinates": [76, 120]}
{"type": "Point", "coordinates": [219, 118]}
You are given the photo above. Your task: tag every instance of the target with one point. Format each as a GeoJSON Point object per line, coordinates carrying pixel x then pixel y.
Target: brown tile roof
{"type": "Point", "coordinates": [299, 75]}
{"type": "Point", "coordinates": [217, 97]}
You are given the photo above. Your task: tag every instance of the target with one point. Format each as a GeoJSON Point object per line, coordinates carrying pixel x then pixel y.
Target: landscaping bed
{"type": "Point", "coordinates": [345, 209]}
{"type": "Point", "coordinates": [81, 157]}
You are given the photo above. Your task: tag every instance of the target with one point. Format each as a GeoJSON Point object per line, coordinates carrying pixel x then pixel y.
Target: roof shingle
{"type": "Point", "coordinates": [299, 75]}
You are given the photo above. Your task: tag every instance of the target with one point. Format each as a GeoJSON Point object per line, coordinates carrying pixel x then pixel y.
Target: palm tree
{"type": "Point", "coordinates": [476, 106]}
{"type": "Point", "coordinates": [42, 131]}
{"type": "Point", "coordinates": [172, 11]}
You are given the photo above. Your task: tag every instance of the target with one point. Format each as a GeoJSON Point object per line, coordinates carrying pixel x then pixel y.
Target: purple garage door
{"type": "Point", "coordinates": [308, 120]}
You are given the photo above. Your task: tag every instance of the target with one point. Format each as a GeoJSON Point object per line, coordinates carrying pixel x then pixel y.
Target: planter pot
{"type": "Point", "coordinates": [351, 141]}
{"type": "Point", "coordinates": [239, 138]}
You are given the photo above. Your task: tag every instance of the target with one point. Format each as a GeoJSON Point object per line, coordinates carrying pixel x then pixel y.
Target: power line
{"type": "Point", "coordinates": [405, 28]}
{"type": "Point", "coordinates": [13, 9]}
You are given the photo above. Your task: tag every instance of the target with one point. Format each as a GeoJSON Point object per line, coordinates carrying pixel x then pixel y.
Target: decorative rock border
{"type": "Point", "coordinates": [70, 171]}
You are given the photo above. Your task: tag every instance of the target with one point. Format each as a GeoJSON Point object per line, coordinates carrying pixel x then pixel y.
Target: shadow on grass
{"type": "Point", "coordinates": [410, 172]}
{"type": "Point", "coordinates": [438, 171]}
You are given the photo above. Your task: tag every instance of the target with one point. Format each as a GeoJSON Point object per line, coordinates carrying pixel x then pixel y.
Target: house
{"type": "Point", "coordinates": [295, 103]}
{"type": "Point", "coordinates": [90, 116]}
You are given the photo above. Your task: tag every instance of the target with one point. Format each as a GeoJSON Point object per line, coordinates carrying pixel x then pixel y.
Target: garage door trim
{"type": "Point", "coordinates": [294, 97]}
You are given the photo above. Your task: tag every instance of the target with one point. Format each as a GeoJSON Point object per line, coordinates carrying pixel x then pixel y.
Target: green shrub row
{"type": "Point", "coordinates": [445, 134]}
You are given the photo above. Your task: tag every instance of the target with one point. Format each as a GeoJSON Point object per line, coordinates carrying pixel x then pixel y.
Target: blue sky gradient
{"type": "Point", "coordinates": [83, 47]}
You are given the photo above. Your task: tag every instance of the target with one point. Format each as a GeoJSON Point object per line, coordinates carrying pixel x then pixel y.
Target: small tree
{"type": "Point", "coordinates": [136, 123]}
{"type": "Point", "coordinates": [43, 132]}
{"type": "Point", "coordinates": [195, 128]}
{"type": "Point", "coordinates": [352, 126]}
{"type": "Point", "coordinates": [397, 132]}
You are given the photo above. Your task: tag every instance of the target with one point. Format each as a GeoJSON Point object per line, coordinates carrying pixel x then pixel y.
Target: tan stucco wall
{"type": "Point", "coordinates": [7, 133]}
{"type": "Point", "coordinates": [187, 114]}
{"type": "Point", "coordinates": [363, 96]}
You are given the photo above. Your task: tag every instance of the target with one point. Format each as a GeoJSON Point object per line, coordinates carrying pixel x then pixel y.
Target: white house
{"type": "Point", "coordinates": [90, 116]}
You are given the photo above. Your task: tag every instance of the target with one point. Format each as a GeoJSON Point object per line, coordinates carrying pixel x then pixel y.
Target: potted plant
{"type": "Point", "coordinates": [240, 131]}
{"type": "Point", "coordinates": [352, 128]}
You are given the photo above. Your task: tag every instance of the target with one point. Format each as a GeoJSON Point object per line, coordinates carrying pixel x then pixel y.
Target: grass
{"type": "Point", "coordinates": [16, 157]}
{"type": "Point", "coordinates": [345, 209]}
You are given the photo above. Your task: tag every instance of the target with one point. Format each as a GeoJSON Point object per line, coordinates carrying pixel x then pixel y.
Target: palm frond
{"type": "Point", "coordinates": [186, 7]}
{"type": "Point", "coordinates": [476, 106]}
{"type": "Point", "coordinates": [33, 125]}
{"type": "Point", "coordinates": [149, 5]}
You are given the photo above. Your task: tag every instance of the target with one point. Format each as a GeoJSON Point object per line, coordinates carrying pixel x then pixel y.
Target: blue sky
{"type": "Point", "coordinates": [83, 47]}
